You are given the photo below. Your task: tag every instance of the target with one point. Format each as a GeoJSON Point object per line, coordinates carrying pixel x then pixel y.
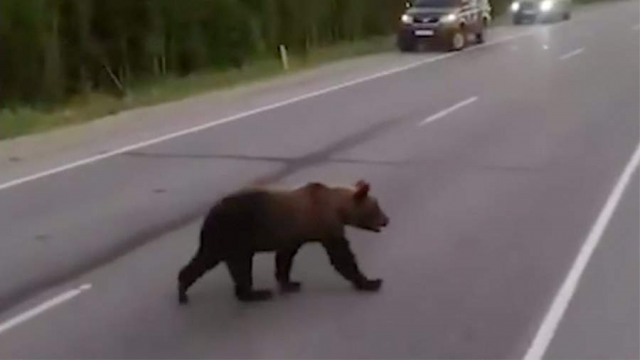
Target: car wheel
{"type": "Point", "coordinates": [567, 15]}
{"type": "Point", "coordinates": [458, 40]}
{"type": "Point", "coordinates": [480, 36]}
{"type": "Point", "coordinates": [406, 46]}
{"type": "Point", "coordinates": [517, 20]}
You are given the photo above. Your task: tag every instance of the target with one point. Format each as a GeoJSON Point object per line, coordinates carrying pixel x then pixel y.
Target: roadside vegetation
{"type": "Point", "coordinates": [67, 61]}
{"type": "Point", "coordinates": [22, 120]}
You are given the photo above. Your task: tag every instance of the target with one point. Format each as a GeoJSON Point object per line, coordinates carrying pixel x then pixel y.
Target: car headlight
{"type": "Point", "coordinates": [515, 6]}
{"type": "Point", "coordinates": [449, 18]}
{"type": "Point", "coordinates": [546, 5]}
{"type": "Point", "coordinates": [407, 19]}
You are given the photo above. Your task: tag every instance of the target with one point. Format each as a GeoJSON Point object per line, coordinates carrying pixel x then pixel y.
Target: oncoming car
{"type": "Point", "coordinates": [448, 22]}
{"type": "Point", "coordinates": [540, 10]}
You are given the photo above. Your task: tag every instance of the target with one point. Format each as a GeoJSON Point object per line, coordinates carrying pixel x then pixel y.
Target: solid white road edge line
{"type": "Point", "coordinates": [448, 110]}
{"type": "Point", "coordinates": [208, 125]}
{"type": "Point", "coordinates": [45, 306]}
{"type": "Point", "coordinates": [563, 297]}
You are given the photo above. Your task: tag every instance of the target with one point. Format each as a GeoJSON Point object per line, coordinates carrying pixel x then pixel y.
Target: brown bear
{"type": "Point", "coordinates": [256, 220]}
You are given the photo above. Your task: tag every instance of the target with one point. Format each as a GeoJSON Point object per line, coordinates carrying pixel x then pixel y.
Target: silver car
{"type": "Point", "coordinates": [540, 10]}
{"type": "Point", "coordinates": [447, 22]}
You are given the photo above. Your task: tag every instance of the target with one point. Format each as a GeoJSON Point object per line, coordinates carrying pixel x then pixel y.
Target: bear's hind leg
{"type": "Point", "coordinates": [241, 268]}
{"type": "Point", "coordinates": [197, 267]}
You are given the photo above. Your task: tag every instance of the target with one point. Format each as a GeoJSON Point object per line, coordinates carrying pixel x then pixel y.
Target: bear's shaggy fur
{"type": "Point", "coordinates": [266, 220]}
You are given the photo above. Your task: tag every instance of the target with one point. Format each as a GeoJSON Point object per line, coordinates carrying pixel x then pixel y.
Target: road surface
{"type": "Point", "coordinates": [493, 163]}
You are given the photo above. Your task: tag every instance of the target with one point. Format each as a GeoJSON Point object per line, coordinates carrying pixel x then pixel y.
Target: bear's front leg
{"type": "Point", "coordinates": [284, 262]}
{"type": "Point", "coordinates": [344, 261]}
{"type": "Point", "coordinates": [241, 269]}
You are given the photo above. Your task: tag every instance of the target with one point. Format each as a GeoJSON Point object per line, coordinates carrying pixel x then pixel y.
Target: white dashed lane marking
{"type": "Point", "coordinates": [45, 306]}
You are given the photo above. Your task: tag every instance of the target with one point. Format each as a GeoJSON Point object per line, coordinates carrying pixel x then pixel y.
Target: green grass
{"type": "Point", "coordinates": [24, 120]}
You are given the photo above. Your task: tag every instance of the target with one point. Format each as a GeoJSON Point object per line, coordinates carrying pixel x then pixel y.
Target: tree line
{"type": "Point", "coordinates": [53, 49]}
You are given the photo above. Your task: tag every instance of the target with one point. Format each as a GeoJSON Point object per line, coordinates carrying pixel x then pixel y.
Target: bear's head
{"type": "Point", "coordinates": [363, 210]}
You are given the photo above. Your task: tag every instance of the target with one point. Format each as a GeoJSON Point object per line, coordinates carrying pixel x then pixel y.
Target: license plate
{"type": "Point", "coordinates": [424, 32]}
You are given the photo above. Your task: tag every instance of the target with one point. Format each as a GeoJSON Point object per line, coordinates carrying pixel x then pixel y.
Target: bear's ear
{"type": "Point", "coordinates": [362, 190]}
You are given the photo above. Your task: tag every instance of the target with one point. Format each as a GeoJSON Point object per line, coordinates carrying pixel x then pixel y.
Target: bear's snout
{"type": "Point", "coordinates": [382, 223]}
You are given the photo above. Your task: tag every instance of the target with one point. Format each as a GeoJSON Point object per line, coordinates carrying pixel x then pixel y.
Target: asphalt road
{"type": "Point", "coordinates": [493, 164]}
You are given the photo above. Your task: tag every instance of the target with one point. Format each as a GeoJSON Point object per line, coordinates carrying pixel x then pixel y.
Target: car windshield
{"type": "Point", "coordinates": [435, 3]}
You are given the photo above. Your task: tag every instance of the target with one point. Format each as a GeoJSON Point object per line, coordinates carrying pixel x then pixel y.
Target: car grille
{"type": "Point", "coordinates": [527, 6]}
{"type": "Point", "coordinates": [426, 19]}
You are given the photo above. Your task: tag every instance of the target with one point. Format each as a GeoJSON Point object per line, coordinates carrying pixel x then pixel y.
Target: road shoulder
{"type": "Point", "coordinates": [602, 321]}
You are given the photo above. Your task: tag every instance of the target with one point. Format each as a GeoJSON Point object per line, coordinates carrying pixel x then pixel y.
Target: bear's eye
{"type": "Point", "coordinates": [372, 209]}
